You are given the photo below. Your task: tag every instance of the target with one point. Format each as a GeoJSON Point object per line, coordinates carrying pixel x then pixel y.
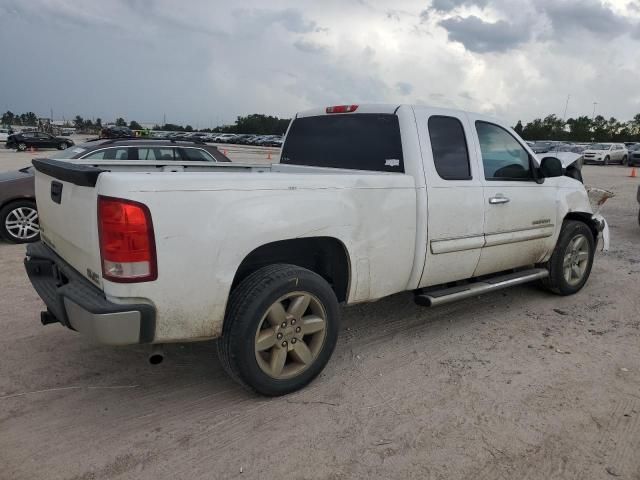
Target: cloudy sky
{"type": "Point", "coordinates": [204, 62]}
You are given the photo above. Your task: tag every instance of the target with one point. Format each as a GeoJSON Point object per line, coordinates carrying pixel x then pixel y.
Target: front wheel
{"type": "Point", "coordinates": [624, 160]}
{"type": "Point", "coordinates": [571, 262]}
{"type": "Point", "coordinates": [22, 146]}
{"type": "Point", "coordinates": [280, 329]}
{"type": "Point", "coordinates": [606, 160]}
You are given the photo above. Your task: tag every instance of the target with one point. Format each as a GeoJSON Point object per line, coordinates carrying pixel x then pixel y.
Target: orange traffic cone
{"type": "Point", "coordinates": [32, 149]}
{"type": "Point", "coordinates": [269, 156]}
{"type": "Point", "coordinates": [224, 152]}
{"type": "Point", "coordinates": [633, 173]}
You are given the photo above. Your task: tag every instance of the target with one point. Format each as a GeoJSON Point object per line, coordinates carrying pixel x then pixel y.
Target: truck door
{"type": "Point", "coordinates": [520, 213]}
{"type": "Point", "coordinates": [455, 210]}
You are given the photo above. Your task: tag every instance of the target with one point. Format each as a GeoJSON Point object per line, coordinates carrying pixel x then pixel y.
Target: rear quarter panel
{"type": "Point", "coordinates": [203, 233]}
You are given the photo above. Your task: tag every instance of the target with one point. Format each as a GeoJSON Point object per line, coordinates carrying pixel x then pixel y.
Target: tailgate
{"type": "Point", "coordinates": [67, 208]}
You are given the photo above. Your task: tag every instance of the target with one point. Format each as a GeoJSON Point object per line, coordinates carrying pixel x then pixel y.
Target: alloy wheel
{"type": "Point", "coordinates": [576, 260]}
{"type": "Point", "coordinates": [22, 223]}
{"type": "Point", "coordinates": [290, 335]}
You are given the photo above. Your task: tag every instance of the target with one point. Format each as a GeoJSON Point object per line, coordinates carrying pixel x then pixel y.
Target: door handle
{"type": "Point", "coordinates": [498, 199]}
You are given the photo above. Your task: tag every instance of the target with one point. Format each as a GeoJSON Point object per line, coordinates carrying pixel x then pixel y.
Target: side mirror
{"type": "Point", "coordinates": [550, 167]}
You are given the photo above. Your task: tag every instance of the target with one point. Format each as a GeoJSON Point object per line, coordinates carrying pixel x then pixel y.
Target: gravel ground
{"type": "Point", "coordinates": [513, 384]}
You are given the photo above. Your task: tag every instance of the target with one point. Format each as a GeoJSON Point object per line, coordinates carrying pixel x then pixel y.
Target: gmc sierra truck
{"type": "Point", "coordinates": [366, 201]}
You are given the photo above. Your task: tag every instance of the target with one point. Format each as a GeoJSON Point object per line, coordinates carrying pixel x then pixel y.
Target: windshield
{"type": "Point", "coordinates": [600, 146]}
{"type": "Point", "coordinates": [633, 148]}
{"type": "Point", "coordinates": [364, 141]}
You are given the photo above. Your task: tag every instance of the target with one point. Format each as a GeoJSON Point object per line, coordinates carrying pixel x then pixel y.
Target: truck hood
{"type": "Point", "coordinates": [566, 158]}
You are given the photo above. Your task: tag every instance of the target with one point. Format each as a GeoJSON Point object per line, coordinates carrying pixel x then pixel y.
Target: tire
{"type": "Point", "coordinates": [606, 161]}
{"type": "Point", "coordinates": [62, 146]}
{"type": "Point", "coordinates": [10, 217]}
{"type": "Point", "coordinates": [624, 160]}
{"type": "Point", "coordinates": [557, 281]}
{"type": "Point", "coordinates": [252, 313]}
{"type": "Point", "coordinates": [22, 146]}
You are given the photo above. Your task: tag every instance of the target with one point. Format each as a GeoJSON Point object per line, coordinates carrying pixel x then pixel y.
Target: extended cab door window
{"type": "Point", "coordinates": [449, 147]}
{"type": "Point", "coordinates": [503, 157]}
{"type": "Point", "coordinates": [359, 141]}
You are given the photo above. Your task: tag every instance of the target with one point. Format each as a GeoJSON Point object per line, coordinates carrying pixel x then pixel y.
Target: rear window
{"type": "Point", "coordinates": [364, 141]}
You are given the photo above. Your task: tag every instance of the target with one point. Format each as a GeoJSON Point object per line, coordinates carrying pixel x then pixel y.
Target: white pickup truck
{"type": "Point", "coordinates": [367, 201]}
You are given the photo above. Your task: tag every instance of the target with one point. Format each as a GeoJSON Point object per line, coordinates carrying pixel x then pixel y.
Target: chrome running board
{"type": "Point", "coordinates": [440, 297]}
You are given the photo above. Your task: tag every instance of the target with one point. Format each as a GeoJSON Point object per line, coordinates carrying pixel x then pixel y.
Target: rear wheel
{"type": "Point", "coordinates": [19, 222]}
{"type": "Point", "coordinates": [280, 329]}
{"type": "Point", "coordinates": [62, 146]}
{"type": "Point", "coordinates": [571, 262]}
{"type": "Point", "coordinates": [624, 160]}
{"type": "Point", "coordinates": [22, 146]}
{"type": "Point", "coordinates": [606, 160]}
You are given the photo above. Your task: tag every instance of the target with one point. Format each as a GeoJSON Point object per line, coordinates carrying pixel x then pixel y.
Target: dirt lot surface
{"type": "Point", "coordinates": [515, 384]}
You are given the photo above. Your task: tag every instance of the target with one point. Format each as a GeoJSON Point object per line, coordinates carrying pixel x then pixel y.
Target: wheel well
{"type": "Point", "coordinates": [17, 199]}
{"type": "Point", "coordinates": [584, 218]}
{"type": "Point", "coordinates": [325, 256]}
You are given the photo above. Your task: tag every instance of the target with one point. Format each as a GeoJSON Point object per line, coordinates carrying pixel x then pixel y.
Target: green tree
{"type": "Point", "coordinates": [88, 126]}
{"type": "Point", "coordinates": [98, 123]}
{"type": "Point", "coordinates": [534, 130]}
{"type": "Point", "coordinates": [599, 129]}
{"type": "Point", "coordinates": [188, 128]}
{"type": "Point", "coordinates": [133, 125]}
{"type": "Point", "coordinates": [78, 123]}
{"type": "Point", "coordinates": [28, 119]}
{"type": "Point", "coordinates": [519, 128]}
{"type": "Point", "coordinates": [579, 129]}
{"type": "Point", "coordinates": [8, 118]}
{"type": "Point", "coordinates": [120, 122]}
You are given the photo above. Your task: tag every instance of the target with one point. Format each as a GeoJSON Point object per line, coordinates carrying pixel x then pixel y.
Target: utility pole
{"type": "Point", "coordinates": [566, 105]}
{"type": "Point", "coordinates": [593, 115]}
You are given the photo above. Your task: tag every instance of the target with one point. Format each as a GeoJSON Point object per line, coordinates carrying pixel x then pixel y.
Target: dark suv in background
{"type": "Point", "coordinates": [116, 132]}
{"type": "Point", "coordinates": [634, 155]}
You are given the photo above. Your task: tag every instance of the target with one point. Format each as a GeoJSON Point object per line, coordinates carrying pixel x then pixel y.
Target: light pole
{"type": "Point", "coordinates": [566, 105]}
{"type": "Point", "coordinates": [593, 115]}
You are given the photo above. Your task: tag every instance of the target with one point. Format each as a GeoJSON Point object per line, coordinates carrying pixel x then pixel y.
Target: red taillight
{"type": "Point", "coordinates": [127, 243]}
{"type": "Point", "coordinates": [342, 109]}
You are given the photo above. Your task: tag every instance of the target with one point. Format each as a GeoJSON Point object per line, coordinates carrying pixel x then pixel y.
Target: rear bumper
{"type": "Point", "coordinates": [76, 303]}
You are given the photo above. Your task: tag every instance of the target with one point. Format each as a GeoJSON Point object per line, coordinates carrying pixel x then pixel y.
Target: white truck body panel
{"type": "Point", "coordinates": [197, 260]}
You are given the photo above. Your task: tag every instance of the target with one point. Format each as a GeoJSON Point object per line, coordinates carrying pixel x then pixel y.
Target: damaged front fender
{"type": "Point", "coordinates": [603, 228]}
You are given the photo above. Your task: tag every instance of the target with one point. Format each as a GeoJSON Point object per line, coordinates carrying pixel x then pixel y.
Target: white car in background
{"type": "Point", "coordinates": [4, 134]}
{"type": "Point", "coordinates": [606, 153]}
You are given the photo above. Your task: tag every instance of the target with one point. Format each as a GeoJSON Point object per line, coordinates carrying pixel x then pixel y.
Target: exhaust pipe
{"type": "Point", "coordinates": [157, 355]}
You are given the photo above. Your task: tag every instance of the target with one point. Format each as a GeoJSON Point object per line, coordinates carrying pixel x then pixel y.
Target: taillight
{"type": "Point", "coordinates": [127, 243]}
{"type": "Point", "coordinates": [342, 109]}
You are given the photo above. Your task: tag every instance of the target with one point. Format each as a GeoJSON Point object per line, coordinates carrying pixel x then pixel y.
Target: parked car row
{"type": "Point", "coordinates": [231, 138]}
{"type": "Point", "coordinates": [627, 153]}
{"type": "Point", "coordinates": [18, 212]}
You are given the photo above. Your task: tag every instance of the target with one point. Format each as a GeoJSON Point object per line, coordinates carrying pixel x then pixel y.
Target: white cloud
{"type": "Point", "coordinates": [203, 62]}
